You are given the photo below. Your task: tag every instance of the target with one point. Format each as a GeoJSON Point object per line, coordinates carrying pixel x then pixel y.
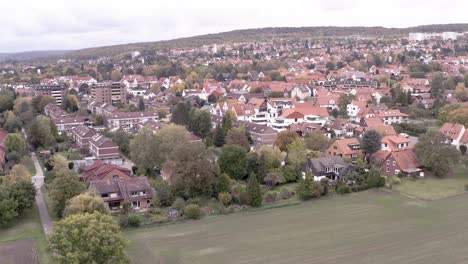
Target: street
{"type": "Point", "coordinates": [38, 181]}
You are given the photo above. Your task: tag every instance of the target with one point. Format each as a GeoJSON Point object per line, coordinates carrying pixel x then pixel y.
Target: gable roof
{"type": "Point", "coordinates": [99, 169]}
{"type": "Point", "coordinates": [452, 131]}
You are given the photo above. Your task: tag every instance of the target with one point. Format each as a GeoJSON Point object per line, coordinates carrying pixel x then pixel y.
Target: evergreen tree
{"type": "Point", "coordinates": [141, 104]}
{"type": "Point", "coordinates": [262, 168]}
{"type": "Point", "coordinates": [219, 136]}
{"type": "Point", "coordinates": [180, 115]}
{"type": "Point", "coordinates": [307, 188]}
{"type": "Point", "coordinates": [253, 191]}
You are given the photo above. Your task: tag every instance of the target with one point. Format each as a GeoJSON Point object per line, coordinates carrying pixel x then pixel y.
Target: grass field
{"type": "Point", "coordinates": [28, 226]}
{"type": "Point", "coordinates": [368, 227]}
{"type": "Point", "coordinates": [432, 188]}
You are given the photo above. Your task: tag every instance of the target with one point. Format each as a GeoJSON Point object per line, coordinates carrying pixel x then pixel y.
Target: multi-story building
{"type": "Point", "coordinates": [57, 91]}
{"type": "Point", "coordinates": [65, 124]}
{"type": "Point", "coordinates": [103, 148]}
{"type": "Point", "coordinates": [81, 135]}
{"type": "Point", "coordinates": [109, 93]}
{"type": "Point", "coordinates": [128, 120]}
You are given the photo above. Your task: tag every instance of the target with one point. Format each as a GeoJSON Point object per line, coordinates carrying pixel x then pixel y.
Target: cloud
{"type": "Point", "coordinates": [58, 24]}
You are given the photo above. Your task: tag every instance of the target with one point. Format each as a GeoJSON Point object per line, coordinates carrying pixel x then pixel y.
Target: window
{"type": "Point", "coordinates": [394, 163]}
{"type": "Point", "coordinates": [143, 193]}
{"type": "Point", "coordinates": [136, 204]}
{"type": "Point", "coordinates": [148, 201]}
{"type": "Point", "coordinates": [104, 195]}
{"type": "Point", "coordinates": [134, 193]}
{"type": "Point", "coordinates": [397, 171]}
{"type": "Point", "coordinates": [388, 169]}
{"type": "Point", "coordinates": [388, 162]}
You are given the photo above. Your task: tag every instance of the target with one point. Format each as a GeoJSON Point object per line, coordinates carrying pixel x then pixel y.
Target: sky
{"type": "Point", "coordinates": [74, 24]}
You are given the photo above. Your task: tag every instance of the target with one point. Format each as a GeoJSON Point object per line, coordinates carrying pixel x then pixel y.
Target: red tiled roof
{"type": "Point", "coordinates": [452, 131]}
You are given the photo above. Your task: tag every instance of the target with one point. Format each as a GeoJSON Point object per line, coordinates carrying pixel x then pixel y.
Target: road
{"type": "Point", "coordinates": [38, 181]}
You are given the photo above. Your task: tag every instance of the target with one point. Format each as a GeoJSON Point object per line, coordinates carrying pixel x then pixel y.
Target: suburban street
{"type": "Point", "coordinates": [38, 181]}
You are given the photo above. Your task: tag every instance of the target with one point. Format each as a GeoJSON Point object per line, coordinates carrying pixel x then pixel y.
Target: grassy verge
{"type": "Point", "coordinates": [49, 206]}
{"type": "Point", "coordinates": [28, 226]}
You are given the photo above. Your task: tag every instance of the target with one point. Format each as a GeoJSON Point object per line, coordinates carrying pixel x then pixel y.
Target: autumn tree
{"type": "Point", "coordinates": [285, 138]}
{"type": "Point", "coordinates": [116, 75]}
{"type": "Point", "coordinates": [237, 136]}
{"type": "Point", "coordinates": [15, 146]}
{"type": "Point", "coordinates": [88, 202]}
{"type": "Point", "coordinates": [41, 133]}
{"type": "Point", "coordinates": [144, 151]}
{"type": "Point", "coordinates": [317, 141]}
{"type": "Point", "coordinates": [88, 238]}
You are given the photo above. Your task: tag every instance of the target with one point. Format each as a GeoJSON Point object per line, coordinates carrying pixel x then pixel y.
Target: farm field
{"type": "Point", "coordinates": [374, 226]}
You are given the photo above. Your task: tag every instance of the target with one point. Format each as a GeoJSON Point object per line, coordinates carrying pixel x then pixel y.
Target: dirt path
{"type": "Point", "coordinates": [38, 181]}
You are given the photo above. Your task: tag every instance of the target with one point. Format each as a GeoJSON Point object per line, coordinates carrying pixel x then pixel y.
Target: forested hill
{"type": "Point", "coordinates": [262, 34]}
{"type": "Point", "coordinates": [259, 34]}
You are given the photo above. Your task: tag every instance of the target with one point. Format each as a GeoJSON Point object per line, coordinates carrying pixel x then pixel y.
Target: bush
{"type": "Point", "coordinates": [274, 178]}
{"type": "Point", "coordinates": [178, 204]}
{"type": "Point", "coordinates": [359, 188]}
{"type": "Point", "coordinates": [270, 197]}
{"type": "Point", "coordinates": [123, 221]}
{"type": "Point", "coordinates": [286, 193]}
{"type": "Point", "coordinates": [193, 211]}
{"type": "Point", "coordinates": [134, 220]}
{"type": "Point", "coordinates": [236, 191]}
{"type": "Point", "coordinates": [225, 198]}
{"type": "Point", "coordinates": [325, 185]}
{"type": "Point", "coordinates": [393, 180]}
{"type": "Point", "coordinates": [244, 197]}
{"type": "Point", "coordinates": [342, 189]}
{"type": "Point", "coordinates": [195, 200]}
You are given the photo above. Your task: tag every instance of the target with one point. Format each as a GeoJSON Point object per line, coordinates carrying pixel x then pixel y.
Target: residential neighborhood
{"type": "Point", "coordinates": [297, 137]}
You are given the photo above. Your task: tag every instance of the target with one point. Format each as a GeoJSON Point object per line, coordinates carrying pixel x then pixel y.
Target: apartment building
{"type": "Point", "coordinates": [109, 93]}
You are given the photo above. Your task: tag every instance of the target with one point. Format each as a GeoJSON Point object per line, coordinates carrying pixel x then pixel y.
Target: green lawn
{"type": "Point", "coordinates": [432, 188]}
{"type": "Point", "coordinates": [28, 226]}
{"type": "Point", "coordinates": [374, 226]}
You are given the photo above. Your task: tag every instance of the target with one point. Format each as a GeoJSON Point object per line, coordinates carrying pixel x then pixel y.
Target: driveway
{"type": "Point", "coordinates": [38, 181]}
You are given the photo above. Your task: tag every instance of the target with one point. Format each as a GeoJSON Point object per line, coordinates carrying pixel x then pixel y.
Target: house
{"type": "Point", "coordinates": [332, 168]}
{"type": "Point", "coordinates": [261, 134]}
{"type": "Point", "coordinates": [54, 111]}
{"type": "Point", "coordinates": [100, 170]}
{"type": "Point", "coordinates": [394, 163]}
{"type": "Point", "coordinates": [56, 91]}
{"type": "Point", "coordinates": [103, 148]}
{"type": "Point", "coordinates": [310, 114]}
{"type": "Point", "coordinates": [390, 117]}
{"type": "Point", "coordinates": [82, 135]}
{"type": "Point", "coordinates": [454, 132]}
{"type": "Point", "coordinates": [396, 142]}
{"type": "Point", "coordinates": [347, 148]}
{"type": "Point", "coordinates": [354, 108]}
{"type": "Point", "coordinates": [136, 191]}
{"type": "Point", "coordinates": [301, 92]}
{"type": "Point", "coordinates": [128, 120]}
{"type": "Point", "coordinates": [66, 124]}
{"type": "Point", "coordinates": [342, 128]}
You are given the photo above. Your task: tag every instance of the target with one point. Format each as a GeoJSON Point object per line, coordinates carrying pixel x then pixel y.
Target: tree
{"type": "Point", "coordinates": [180, 114]}
{"type": "Point", "coordinates": [169, 137]}
{"type": "Point", "coordinates": [141, 104]}
{"type": "Point", "coordinates": [219, 137]}
{"type": "Point", "coordinates": [252, 163]}
{"type": "Point", "coordinates": [200, 122]}
{"type": "Point", "coordinates": [317, 141]}
{"type": "Point", "coordinates": [63, 187]}
{"type": "Point", "coordinates": [194, 174]}
{"type": "Point", "coordinates": [41, 133]}
{"type": "Point", "coordinates": [116, 75]}
{"type": "Point", "coordinates": [7, 97]}
{"type": "Point", "coordinates": [144, 151]}
{"type": "Point", "coordinates": [307, 188]}
{"type": "Point", "coordinates": [274, 178]}
{"type": "Point", "coordinates": [463, 149]}
{"type": "Point", "coordinates": [10, 122]}
{"type": "Point", "coordinates": [16, 146]}
{"type": "Point", "coordinates": [8, 207]}
{"type": "Point", "coordinates": [17, 174]}
{"type": "Point", "coordinates": [88, 202]}
{"type": "Point", "coordinates": [39, 102]}
{"type": "Point", "coordinates": [223, 183]}
{"type": "Point", "coordinates": [88, 238]}
{"type": "Point", "coordinates": [237, 136]}
{"type": "Point", "coordinates": [163, 192]}
{"type": "Point", "coordinates": [437, 85]}
{"type": "Point", "coordinates": [285, 138]}
{"type": "Point", "coordinates": [371, 141]}
{"type": "Point", "coordinates": [343, 102]}
{"type": "Point", "coordinates": [435, 153]}
{"type": "Point", "coordinates": [233, 161]}
{"type": "Point", "coordinates": [24, 193]}
{"type": "Point", "coordinates": [461, 92]}
{"type": "Point", "coordinates": [273, 156]}
{"type": "Point", "coordinates": [262, 168]}
{"type": "Point", "coordinates": [70, 103]}
{"type": "Point", "coordinates": [228, 119]}
{"type": "Point", "coordinates": [253, 191]}
{"type": "Point", "coordinates": [297, 153]}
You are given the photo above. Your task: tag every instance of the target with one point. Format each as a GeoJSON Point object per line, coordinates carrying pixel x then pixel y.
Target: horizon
{"type": "Point", "coordinates": [86, 24]}
{"type": "Point", "coordinates": [214, 33]}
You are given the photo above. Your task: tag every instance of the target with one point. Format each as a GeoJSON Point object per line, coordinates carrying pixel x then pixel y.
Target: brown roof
{"type": "Point", "coordinates": [99, 169]}
{"type": "Point", "coordinates": [406, 159]}
{"type": "Point", "coordinates": [452, 131]}
{"type": "Point", "coordinates": [344, 146]}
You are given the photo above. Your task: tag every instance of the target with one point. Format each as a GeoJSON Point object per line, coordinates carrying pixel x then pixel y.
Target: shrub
{"type": "Point", "coordinates": [359, 188]}
{"type": "Point", "coordinates": [123, 221]}
{"type": "Point", "coordinates": [193, 211]}
{"type": "Point", "coordinates": [286, 193]}
{"type": "Point", "coordinates": [325, 185]}
{"type": "Point", "coordinates": [195, 200]}
{"type": "Point", "coordinates": [178, 204]}
{"type": "Point", "coordinates": [155, 202]}
{"type": "Point", "coordinates": [274, 178]}
{"type": "Point", "coordinates": [393, 180]}
{"type": "Point", "coordinates": [225, 198]}
{"type": "Point", "coordinates": [270, 196]}
{"type": "Point", "coordinates": [244, 197]}
{"type": "Point", "coordinates": [236, 191]}
{"type": "Point", "coordinates": [342, 189]}
{"type": "Point", "coordinates": [134, 220]}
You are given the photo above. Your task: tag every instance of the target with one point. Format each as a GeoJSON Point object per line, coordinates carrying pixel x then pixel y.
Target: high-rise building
{"type": "Point", "coordinates": [109, 92]}
{"type": "Point", "coordinates": [56, 91]}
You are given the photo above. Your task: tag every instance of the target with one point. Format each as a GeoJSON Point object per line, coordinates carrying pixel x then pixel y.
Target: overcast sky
{"type": "Point", "coordinates": [74, 24]}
